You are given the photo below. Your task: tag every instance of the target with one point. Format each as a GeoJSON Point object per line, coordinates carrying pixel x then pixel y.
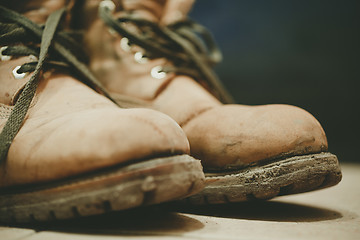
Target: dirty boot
{"type": "Point", "coordinates": [148, 54]}
{"type": "Point", "coordinates": [66, 150]}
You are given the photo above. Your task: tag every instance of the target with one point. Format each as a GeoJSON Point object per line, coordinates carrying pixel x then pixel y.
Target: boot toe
{"type": "Point", "coordinates": [90, 140]}
{"type": "Point", "coordinates": [232, 136]}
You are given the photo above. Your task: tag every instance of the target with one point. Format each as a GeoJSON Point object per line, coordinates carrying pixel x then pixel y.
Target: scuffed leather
{"type": "Point", "coordinates": [70, 129]}
{"type": "Point", "coordinates": [109, 62]}
{"type": "Point", "coordinates": [242, 134]}
{"type": "Point", "coordinates": [10, 87]}
{"type": "Point", "coordinates": [222, 136]}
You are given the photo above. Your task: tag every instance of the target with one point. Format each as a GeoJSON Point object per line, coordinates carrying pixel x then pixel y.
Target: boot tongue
{"type": "Point", "coordinates": [175, 10]}
{"type": "Point", "coordinates": [36, 10]}
{"type": "Point", "coordinates": [150, 10]}
{"type": "Point", "coordinates": [161, 11]}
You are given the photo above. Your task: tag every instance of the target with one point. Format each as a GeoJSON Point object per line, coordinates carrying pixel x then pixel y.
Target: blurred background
{"type": "Point", "coordinates": [304, 53]}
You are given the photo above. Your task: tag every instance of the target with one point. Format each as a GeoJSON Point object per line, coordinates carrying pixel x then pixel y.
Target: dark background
{"type": "Point", "coordinates": [304, 53]}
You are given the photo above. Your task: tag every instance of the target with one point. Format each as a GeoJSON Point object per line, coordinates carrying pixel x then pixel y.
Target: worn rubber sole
{"type": "Point", "coordinates": [143, 183]}
{"type": "Point", "coordinates": [281, 177]}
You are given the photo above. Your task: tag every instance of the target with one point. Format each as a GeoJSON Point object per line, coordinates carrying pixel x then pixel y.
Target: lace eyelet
{"type": "Point", "coordinates": [140, 58]}
{"type": "Point", "coordinates": [107, 4]}
{"type": "Point", "coordinates": [158, 72]}
{"type": "Point", "coordinates": [4, 57]}
{"type": "Point", "coordinates": [124, 44]}
{"type": "Point", "coordinates": [18, 75]}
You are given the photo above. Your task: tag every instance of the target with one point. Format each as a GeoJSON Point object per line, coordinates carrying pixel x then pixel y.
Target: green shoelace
{"type": "Point", "coordinates": [187, 44]}
{"type": "Point", "coordinates": [53, 52]}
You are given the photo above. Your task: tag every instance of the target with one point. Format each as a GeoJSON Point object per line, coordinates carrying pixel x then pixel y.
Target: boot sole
{"type": "Point", "coordinates": [143, 183]}
{"type": "Point", "coordinates": [282, 177]}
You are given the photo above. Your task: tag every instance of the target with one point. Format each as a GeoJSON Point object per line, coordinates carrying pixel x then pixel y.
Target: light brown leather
{"type": "Point", "coordinates": [222, 136]}
{"type": "Point", "coordinates": [246, 134]}
{"type": "Point", "coordinates": [36, 10]}
{"type": "Point", "coordinates": [70, 129]}
{"type": "Point", "coordinates": [10, 88]}
{"type": "Point", "coordinates": [105, 59]}
{"type": "Point", "coordinates": [175, 10]}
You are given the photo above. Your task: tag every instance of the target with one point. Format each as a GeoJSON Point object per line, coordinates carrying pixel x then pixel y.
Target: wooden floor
{"type": "Point", "coordinates": [326, 214]}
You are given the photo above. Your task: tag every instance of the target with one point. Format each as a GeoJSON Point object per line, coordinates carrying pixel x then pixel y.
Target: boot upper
{"type": "Point", "coordinates": [222, 136]}
{"type": "Point", "coordinates": [71, 129]}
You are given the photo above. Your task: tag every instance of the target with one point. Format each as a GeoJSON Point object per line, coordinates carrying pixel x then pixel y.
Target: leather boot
{"type": "Point", "coordinates": [66, 150]}
{"type": "Point", "coordinates": [147, 53]}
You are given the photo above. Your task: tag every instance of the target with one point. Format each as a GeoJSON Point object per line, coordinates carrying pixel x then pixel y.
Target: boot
{"type": "Point", "coordinates": [66, 150]}
{"type": "Point", "coordinates": [148, 54]}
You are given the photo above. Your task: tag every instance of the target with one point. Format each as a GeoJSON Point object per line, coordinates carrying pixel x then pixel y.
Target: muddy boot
{"type": "Point", "coordinates": [148, 54]}
{"type": "Point", "coordinates": [66, 150]}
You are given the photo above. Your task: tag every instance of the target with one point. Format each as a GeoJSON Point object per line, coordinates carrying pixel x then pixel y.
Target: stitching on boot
{"type": "Point", "coordinates": [194, 115]}
{"type": "Point", "coordinates": [154, 126]}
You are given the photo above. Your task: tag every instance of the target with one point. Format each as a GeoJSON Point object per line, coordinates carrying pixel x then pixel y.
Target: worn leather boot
{"type": "Point", "coordinates": [66, 150]}
{"type": "Point", "coordinates": [148, 54]}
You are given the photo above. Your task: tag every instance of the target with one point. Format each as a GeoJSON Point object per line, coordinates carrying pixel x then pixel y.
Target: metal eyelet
{"type": "Point", "coordinates": [124, 44]}
{"type": "Point", "coordinates": [4, 57]}
{"type": "Point", "coordinates": [140, 58]}
{"type": "Point", "coordinates": [158, 72]}
{"type": "Point", "coordinates": [18, 75]}
{"type": "Point", "coordinates": [107, 4]}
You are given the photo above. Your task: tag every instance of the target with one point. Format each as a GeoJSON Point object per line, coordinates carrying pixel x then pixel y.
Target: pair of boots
{"type": "Point", "coordinates": [85, 135]}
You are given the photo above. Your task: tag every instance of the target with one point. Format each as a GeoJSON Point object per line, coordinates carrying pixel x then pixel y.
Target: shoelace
{"type": "Point", "coordinates": [187, 44]}
{"type": "Point", "coordinates": [53, 52]}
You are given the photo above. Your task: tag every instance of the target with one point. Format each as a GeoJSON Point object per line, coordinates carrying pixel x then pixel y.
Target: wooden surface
{"type": "Point", "coordinates": [326, 214]}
